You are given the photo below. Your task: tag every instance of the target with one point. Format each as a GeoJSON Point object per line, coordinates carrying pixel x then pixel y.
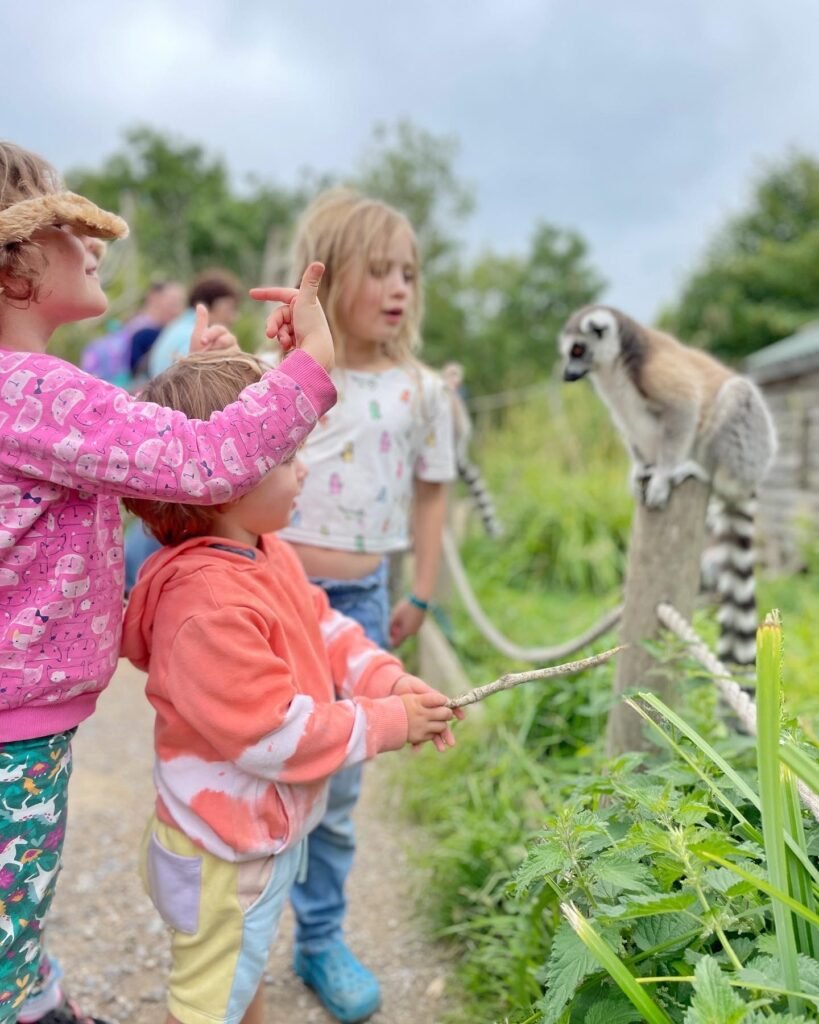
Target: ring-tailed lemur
{"type": "Point", "coordinates": [468, 471]}
{"type": "Point", "coordinates": [682, 413]}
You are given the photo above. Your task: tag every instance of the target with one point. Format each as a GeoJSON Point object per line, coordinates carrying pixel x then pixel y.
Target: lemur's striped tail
{"type": "Point", "coordinates": [736, 587]}
{"type": "Point", "coordinates": [481, 498]}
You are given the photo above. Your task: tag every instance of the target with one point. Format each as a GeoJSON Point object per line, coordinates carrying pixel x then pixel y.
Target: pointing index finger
{"type": "Point", "coordinates": [274, 294]}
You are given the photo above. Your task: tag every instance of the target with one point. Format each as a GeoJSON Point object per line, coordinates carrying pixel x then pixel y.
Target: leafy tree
{"type": "Point", "coordinates": [515, 307]}
{"type": "Point", "coordinates": [760, 278]}
{"type": "Point", "coordinates": [182, 208]}
{"type": "Point", "coordinates": [412, 169]}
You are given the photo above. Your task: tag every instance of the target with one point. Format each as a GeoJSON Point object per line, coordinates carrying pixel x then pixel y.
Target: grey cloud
{"type": "Point", "coordinates": [638, 123]}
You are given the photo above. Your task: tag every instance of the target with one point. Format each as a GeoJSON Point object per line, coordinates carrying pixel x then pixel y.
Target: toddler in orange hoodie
{"type": "Point", "coordinates": [261, 692]}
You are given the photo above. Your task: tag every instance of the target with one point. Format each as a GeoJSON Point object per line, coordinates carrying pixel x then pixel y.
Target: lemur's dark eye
{"type": "Point", "coordinates": [578, 350]}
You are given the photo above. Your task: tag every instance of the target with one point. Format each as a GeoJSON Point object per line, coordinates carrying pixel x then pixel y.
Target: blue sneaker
{"type": "Point", "coordinates": [346, 988]}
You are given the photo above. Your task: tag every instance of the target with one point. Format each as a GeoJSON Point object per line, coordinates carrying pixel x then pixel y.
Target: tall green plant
{"type": "Point", "coordinates": [769, 715]}
{"type": "Point", "coordinates": [672, 872]}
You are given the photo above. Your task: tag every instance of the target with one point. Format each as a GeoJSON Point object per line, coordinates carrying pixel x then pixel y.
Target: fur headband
{"type": "Point", "coordinates": [19, 221]}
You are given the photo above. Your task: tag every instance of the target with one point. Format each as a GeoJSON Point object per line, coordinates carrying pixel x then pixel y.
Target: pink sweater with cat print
{"type": "Point", "coordinates": [70, 446]}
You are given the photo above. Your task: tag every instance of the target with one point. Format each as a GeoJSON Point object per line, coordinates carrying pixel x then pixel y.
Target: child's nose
{"type": "Point", "coordinates": [397, 282]}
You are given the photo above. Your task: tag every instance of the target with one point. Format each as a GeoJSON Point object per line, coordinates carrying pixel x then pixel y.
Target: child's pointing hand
{"type": "Point", "coordinates": [300, 321]}
{"type": "Point", "coordinates": [216, 338]}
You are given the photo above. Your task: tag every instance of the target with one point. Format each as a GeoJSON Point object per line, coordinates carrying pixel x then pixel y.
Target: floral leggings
{"type": "Point", "coordinates": [34, 778]}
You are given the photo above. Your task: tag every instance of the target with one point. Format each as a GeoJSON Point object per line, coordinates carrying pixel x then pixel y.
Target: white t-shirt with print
{"type": "Point", "coordinates": [387, 429]}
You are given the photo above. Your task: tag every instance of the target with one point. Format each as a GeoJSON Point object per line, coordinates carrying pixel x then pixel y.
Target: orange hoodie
{"type": "Point", "coordinates": [245, 658]}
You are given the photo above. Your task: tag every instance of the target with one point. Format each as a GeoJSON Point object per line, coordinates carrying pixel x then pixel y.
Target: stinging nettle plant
{"type": "Point", "coordinates": [688, 895]}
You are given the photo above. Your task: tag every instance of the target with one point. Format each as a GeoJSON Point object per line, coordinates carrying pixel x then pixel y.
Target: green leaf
{"type": "Point", "coordinates": [692, 812]}
{"type": "Point", "coordinates": [808, 975]}
{"type": "Point", "coordinates": [725, 881]}
{"type": "Point", "coordinates": [619, 871]}
{"type": "Point", "coordinates": [545, 859]}
{"type": "Point", "coordinates": [714, 1001]}
{"type": "Point", "coordinates": [613, 1011]}
{"type": "Point", "coordinates": [661, 930]}
{"type": "Point", "coordinates": [775, 1018]}
{"type": "Point", "coordinates": [765, 972]}
{"type": "Point", "coordinates": [569, 963]}
{"type": "Point", "coordinates": [645, 906]}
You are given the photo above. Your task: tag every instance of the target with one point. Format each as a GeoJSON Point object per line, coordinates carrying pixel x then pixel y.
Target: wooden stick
{"type": "Point", "coordinates": [511, 679]}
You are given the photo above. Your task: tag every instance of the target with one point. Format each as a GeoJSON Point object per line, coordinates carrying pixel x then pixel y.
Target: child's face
{"type": "Point", "coordinates": [376, 309]}
{"type": "Point", "coordinates": [267, 507]}
{"type": "Point", "coordinates": [69, 288]}
{"type": "Point", "coordinates": [224, 311]}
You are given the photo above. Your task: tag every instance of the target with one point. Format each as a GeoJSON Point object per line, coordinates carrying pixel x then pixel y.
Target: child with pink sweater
{"type": "Point", "coordinates": [70, 447]}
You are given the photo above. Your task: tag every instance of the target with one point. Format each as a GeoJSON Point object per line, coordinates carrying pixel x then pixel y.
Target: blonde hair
{"type": "Point", "coordinates": [344, 230]}
{"type": "Point", "coordinates": [198, 385]}
{"type": "Point", "coordinates": [23, 175]}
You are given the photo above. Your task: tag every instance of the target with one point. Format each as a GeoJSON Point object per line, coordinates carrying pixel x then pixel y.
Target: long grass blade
{"type": "Point", "coordinates": [609, 961]}
{"type": "Point", "coordinates": [763, 886]}
{"type": "Point", "coordinates": [768, 706]}
{"type": "Point", "coordinates": [717, 759]}
{"type": "Point", "coordinates": [750, 830]}
{"type": "Point", "coordinates": [807, 938]}
{"type": "Point", "coordinates": [800, 764]}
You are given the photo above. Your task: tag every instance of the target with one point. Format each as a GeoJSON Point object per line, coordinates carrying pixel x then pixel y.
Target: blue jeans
{"type": "Point", "coordinates": [319, 902]}
{"type": "Point", "coordinates": [139, 544]}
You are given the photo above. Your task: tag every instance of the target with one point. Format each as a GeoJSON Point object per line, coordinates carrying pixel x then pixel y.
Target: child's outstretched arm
{"type": "Point", "coordinates": [243, 700]}
{"type": "Point", "coordinates": [67, 428]}
{"type": "Point", "coordinates": [361, 668]}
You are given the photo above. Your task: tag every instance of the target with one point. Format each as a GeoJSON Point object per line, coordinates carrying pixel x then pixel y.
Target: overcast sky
{"type": "Point", "coordinates": [642, 123]}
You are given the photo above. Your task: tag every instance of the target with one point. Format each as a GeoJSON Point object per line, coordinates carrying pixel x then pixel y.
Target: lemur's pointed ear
{"type": "Point", "coordinates": [598, 329]}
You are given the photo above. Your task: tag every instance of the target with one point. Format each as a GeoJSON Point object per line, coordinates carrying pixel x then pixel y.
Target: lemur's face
{"type": "Point", "coordinates": [589, 341]}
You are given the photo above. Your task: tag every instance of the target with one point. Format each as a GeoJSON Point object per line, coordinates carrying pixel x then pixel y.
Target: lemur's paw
{"type": "Point", "coordinates": [688, 470]}
{"type": "Point", "coordinates": [657, 491]}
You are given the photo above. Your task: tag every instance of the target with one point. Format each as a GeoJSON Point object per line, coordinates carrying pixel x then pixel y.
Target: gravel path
{"type": "Point", "coordinates": [110, 940]}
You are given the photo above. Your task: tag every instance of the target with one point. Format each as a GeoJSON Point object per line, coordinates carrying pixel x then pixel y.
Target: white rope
{"type": "Point", "coordinates": [731, 692]}
{"type": "Point", "coordinates": [452, 560]}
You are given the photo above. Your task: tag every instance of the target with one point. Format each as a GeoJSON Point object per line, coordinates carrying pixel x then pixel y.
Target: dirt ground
{"type": "Point", "coordinates": [111, 942]}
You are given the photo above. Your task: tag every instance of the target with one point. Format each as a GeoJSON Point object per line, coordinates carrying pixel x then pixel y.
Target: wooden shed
{"type": "Point", "coordinates": [788, 374]}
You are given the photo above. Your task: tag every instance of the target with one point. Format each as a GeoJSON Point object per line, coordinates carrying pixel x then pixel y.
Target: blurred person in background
{"type": "Point", "coordinates": [217, 289]}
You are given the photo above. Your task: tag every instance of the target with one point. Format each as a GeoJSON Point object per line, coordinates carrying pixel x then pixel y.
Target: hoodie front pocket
{"type": "Point", "coordinates": [175, 884]}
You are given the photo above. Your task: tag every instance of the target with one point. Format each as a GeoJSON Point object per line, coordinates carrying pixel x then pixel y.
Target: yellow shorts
{"type": "Point", "coordinates": [223, 919]}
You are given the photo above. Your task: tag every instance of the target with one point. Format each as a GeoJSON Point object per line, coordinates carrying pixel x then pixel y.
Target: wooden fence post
{"type": "Point", "coordinates": [663, 566]}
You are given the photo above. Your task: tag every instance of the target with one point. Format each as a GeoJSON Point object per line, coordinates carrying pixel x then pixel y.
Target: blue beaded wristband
{"type": "Point", "coordinates": [416, 602]}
